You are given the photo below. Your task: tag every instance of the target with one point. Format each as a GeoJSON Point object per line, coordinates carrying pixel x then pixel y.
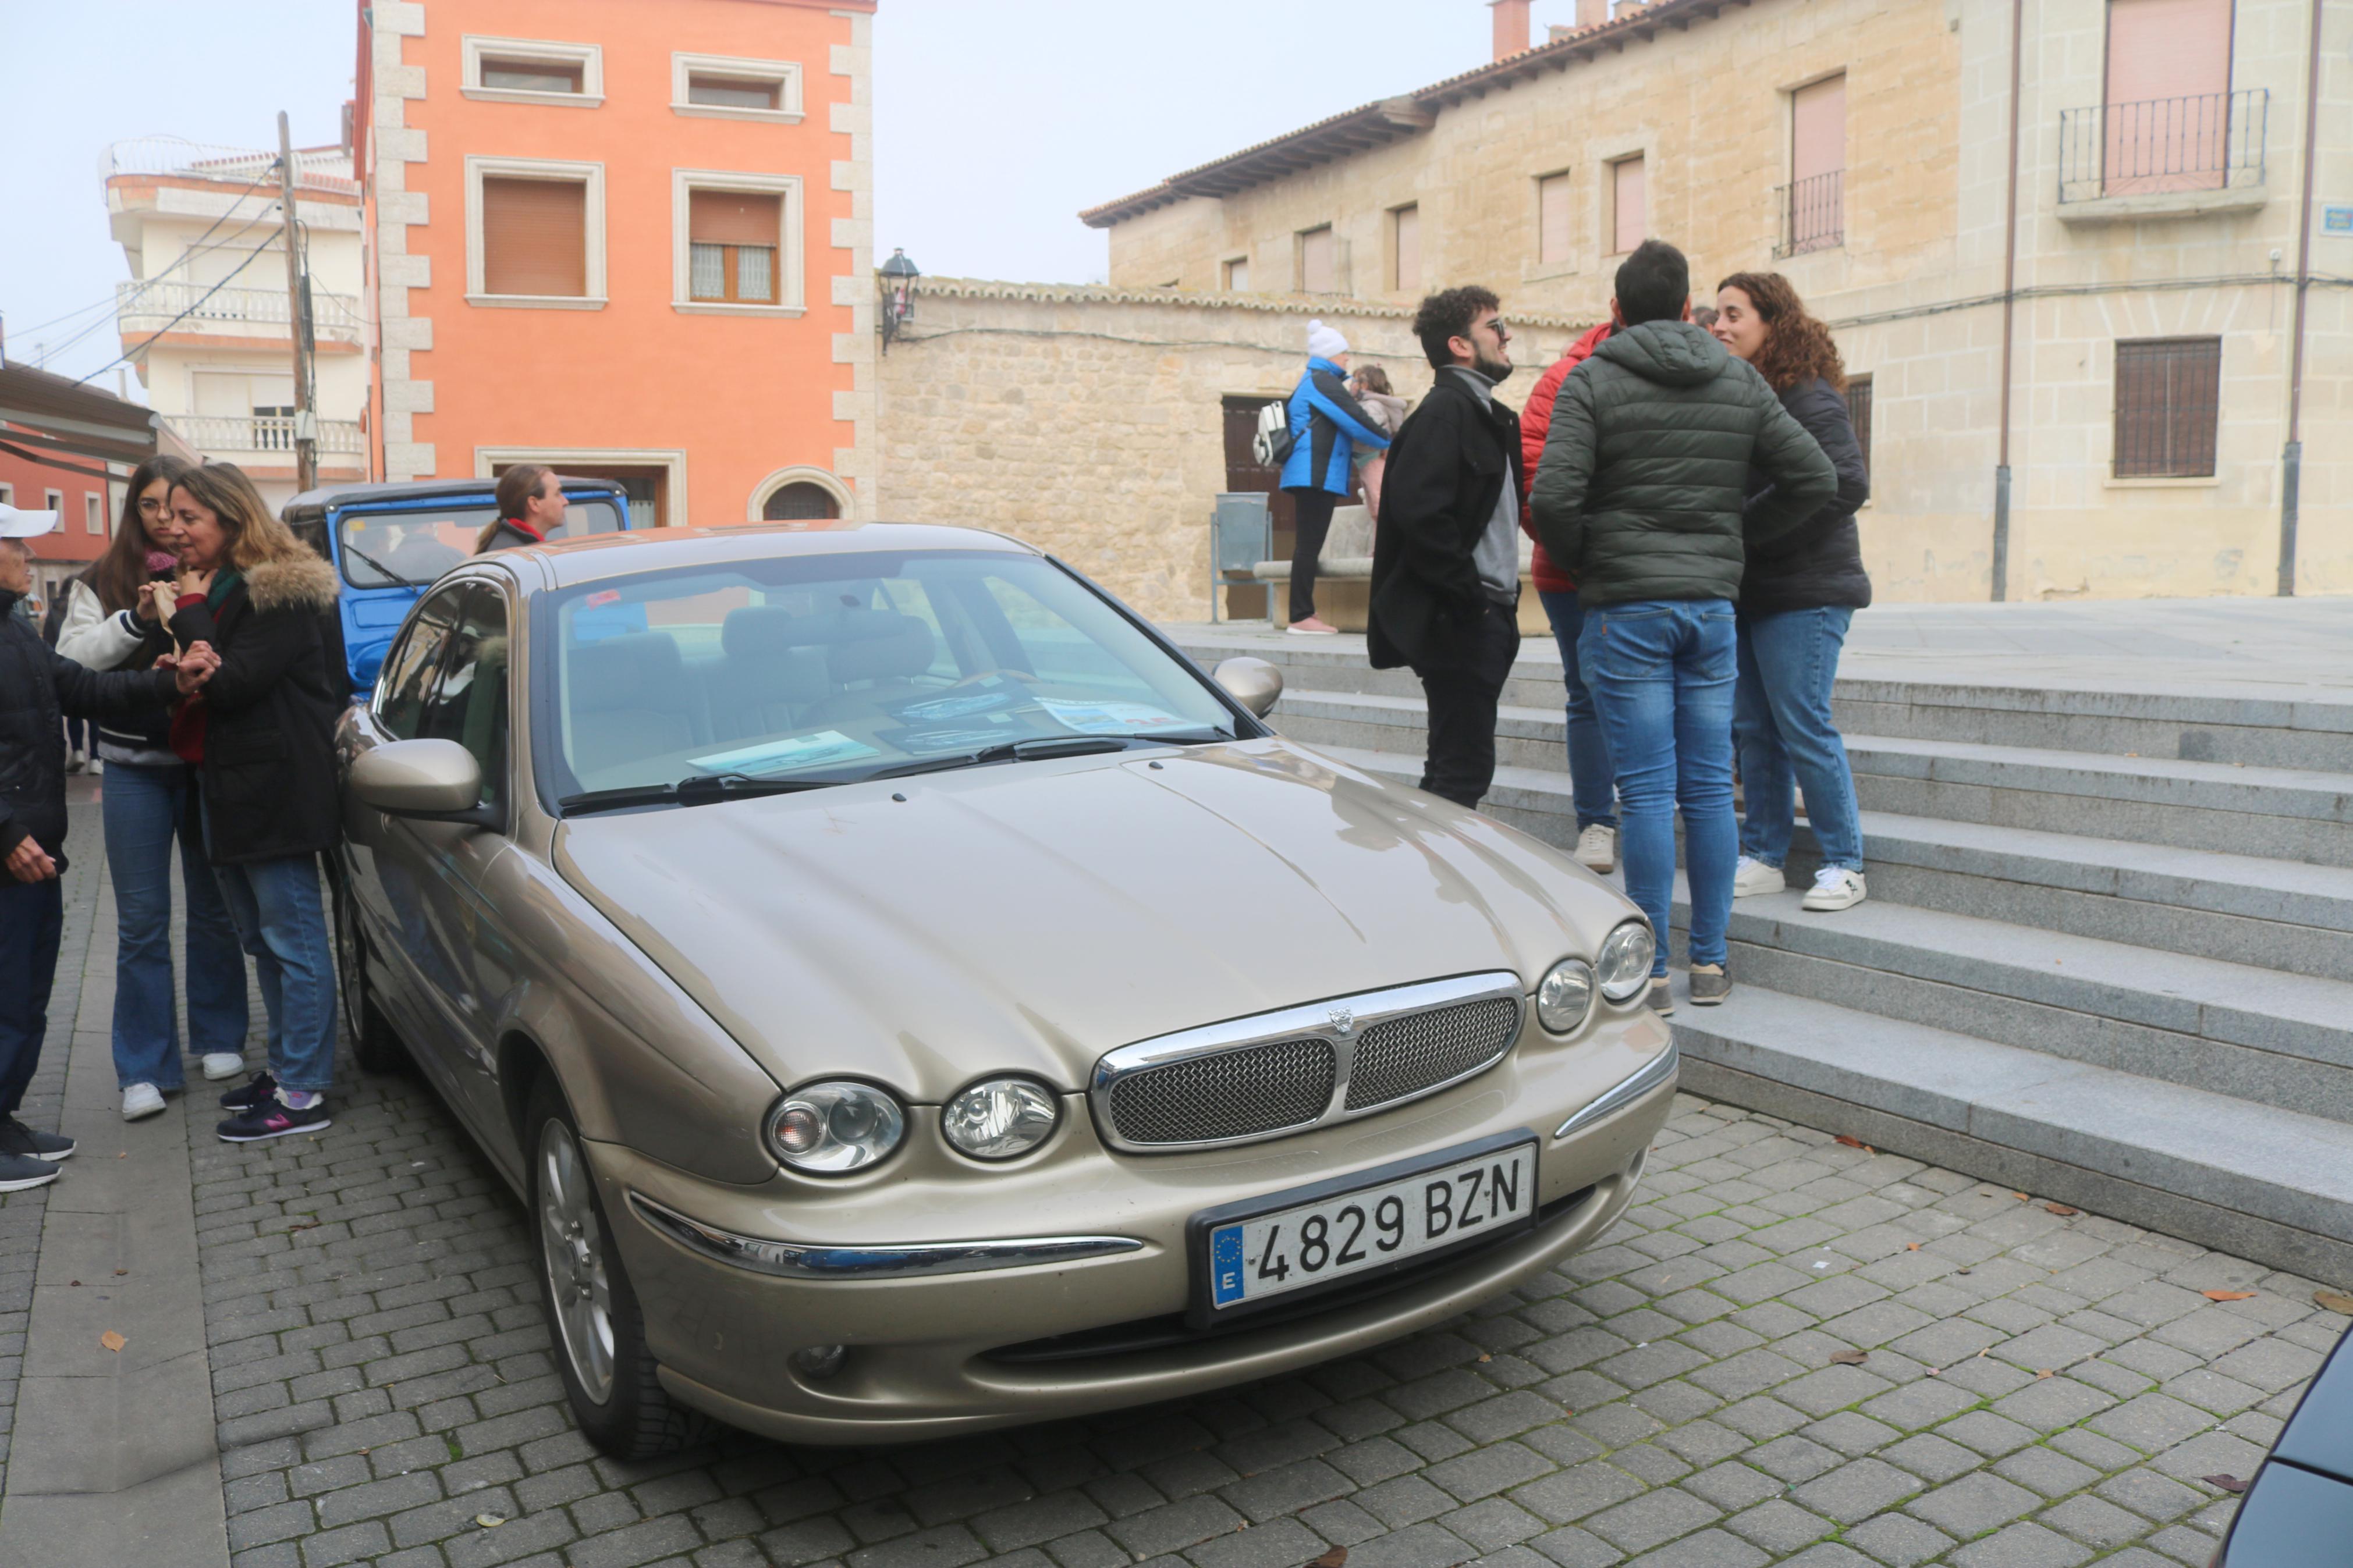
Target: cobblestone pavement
{"type": "Point", "coordinates": [2033, 1388]}
{"type": "Point", "coordinates": [21, 1214]}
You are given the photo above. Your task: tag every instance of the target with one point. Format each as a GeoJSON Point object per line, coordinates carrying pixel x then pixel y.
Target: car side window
{"type": "Point", "coordinates": [400, 689]}
{"type": "Point", "coordinates": [468, 703]}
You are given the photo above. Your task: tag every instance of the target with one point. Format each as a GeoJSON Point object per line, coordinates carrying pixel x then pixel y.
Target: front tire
{"type": "Point", "coordinates": [609, 1376]}
{"type": "Point", "coordinates": [374, 1044]}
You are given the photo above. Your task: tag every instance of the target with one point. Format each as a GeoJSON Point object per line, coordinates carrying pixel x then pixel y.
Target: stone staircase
{"type": "Point", "coordinates": [2107, 956]}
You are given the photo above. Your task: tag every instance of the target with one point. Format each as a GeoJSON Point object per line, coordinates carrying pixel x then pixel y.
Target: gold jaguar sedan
{"type": "Point", "coordinates": [911, 997]}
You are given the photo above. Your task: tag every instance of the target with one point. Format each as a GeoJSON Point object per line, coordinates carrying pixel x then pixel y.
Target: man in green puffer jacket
{"type": "Point", "coordinates": [1639, 498]}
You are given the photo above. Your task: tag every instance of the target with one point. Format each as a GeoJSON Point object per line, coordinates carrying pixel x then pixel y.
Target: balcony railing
{"type": "Point", "coordinates": [217, 436]}
{"type": "Point", "coordinates": [315, 169]}
{"type": "Point", "coordinates": [142, 308]}
{"type": "Point", "coordinates": [1813, 214]}
{"type": "Point", "coordinates": [2211, 141]}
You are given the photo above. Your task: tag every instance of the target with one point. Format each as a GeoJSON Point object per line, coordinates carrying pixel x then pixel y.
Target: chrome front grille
{"type": "Point", "coordinates": [1230, 1094]}
{"type": "Point", "coordinates": [1284, 1071]}
{"type": "Point", "coordinates": [1408, 1055]}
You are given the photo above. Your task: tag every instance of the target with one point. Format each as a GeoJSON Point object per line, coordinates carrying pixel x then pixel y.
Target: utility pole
{"type": "Point", "coordinates": [306, 416]}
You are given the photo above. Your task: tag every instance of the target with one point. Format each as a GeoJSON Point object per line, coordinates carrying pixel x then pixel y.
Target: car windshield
{"type": "Point", "coordinates": [840, 667]}
{"type": "Point", "coordinates": [406, 549]}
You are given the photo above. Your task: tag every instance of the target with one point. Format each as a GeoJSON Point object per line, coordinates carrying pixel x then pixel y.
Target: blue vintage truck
{"type": "Point", "coordinates": [389, 542]}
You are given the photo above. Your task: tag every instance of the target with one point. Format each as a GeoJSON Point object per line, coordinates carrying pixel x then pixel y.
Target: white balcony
{"type": "Point", "coordinates": [145, 309]}
{"type": "Point", "coordinates": [216, 436]}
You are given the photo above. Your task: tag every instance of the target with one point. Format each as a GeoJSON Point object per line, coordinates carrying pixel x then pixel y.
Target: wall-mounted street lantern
{"type": "Point", "coordinates": [898, 281]}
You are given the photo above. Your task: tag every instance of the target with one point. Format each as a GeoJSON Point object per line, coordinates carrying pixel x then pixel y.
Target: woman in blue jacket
{"type": "Point", "coordinates": [1327, 423]}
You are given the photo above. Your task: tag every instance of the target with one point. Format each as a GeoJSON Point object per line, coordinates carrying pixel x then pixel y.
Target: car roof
{"type": "Point", "coordinates": [327, 496]}
{"type": "Point", "coordinates": [597, 556]}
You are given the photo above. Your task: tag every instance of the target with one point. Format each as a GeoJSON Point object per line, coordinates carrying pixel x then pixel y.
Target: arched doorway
{"type": "Point", "coordinates": [800, 501]}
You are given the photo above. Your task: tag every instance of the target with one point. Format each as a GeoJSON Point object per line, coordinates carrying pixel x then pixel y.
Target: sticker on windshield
{"type": "Point", "coordinates": [992, 697]}
{"type": "Point", "coordinates": [784, 756]}
{"type": "Point", "coordinates": [1110, 718]}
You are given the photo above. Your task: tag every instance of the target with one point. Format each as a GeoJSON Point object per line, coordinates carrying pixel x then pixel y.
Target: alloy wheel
{"type": "Point", "coordinates": [572, 1251]}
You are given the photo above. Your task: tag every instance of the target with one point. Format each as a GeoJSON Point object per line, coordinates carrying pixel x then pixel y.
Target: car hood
{"type": "Point", "coordinates": [1029, 918]}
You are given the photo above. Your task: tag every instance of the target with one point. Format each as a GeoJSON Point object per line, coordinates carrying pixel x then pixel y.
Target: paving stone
{"type": "Point", "coordinates": [1974, 1504]}
{"type": "Point", "coordinates": [2025, 1545]}
{"type": "Point", "coordinates": [1897, 1540]}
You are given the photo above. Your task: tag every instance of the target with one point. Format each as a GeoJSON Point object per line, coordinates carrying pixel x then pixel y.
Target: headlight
{"type": "Point", "coordinates": [830, 1128]}
{"type": "Point", "coordinates": [1000, 1118]}
{"type": "Point", "coordinates": [1625, 961]}
{"type": "Point", "coordinates": [1564, 995]}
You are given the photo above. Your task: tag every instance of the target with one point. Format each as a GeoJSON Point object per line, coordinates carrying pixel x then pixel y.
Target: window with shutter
{"type": "Point", "coordinates": [733, 237]}
{"type": "Point", "coordinates": [1405, 235]}
{"type": "Point", "coordinates": [2168, 402]}
{"type": "Point", "coordinates": [534, 238]}
{"type": "Point", "coordinates": [1858, 413]}
{"type": "Point", "coordinates": [1317, 271]}
{"type": "Point", "coordinates": [93, 513]}
{"type": "Point", "coordinates": [730, 92]}
{"type": "Point", "coordinates": [2169, 93]}
{"type": "Point", "coordinates": [1816, 218]}
{"type": "Point", "coordinates": [1238, 275]}
{"type": "Point", "coordinates": [1629, 200]}
{"type": "Point", "coordinates": [532, 76]}
{"type": "Point", "coordinates": [1551, 219]}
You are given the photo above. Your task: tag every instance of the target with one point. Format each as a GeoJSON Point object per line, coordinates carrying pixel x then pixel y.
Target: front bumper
{"type": "Point", "coordinates": [943, 1336]}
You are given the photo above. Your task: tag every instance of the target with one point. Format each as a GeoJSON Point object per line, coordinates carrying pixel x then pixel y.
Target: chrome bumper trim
{"type": "Point", "coordinates": [1661, 1069]}
{"type": "Point", "coordinates": [898, 1260]}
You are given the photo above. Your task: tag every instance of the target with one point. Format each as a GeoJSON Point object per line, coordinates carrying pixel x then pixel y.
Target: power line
{"type": "Point", "coordinates": [128, 354]}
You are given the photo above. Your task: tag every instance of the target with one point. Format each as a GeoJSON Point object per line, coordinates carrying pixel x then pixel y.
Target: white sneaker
{"type": "Point", "coordinates": [1835, 888]}
{"type": "Point", "coordinates": [1752, 876]}
{"type": "Point", "coordinates": [1597, 849]}
{"type": "Point", "coordinates": [97, 765]}
{"type": "Point", "coordinates": [219, 1065]}
{"type": "Point", "coordinates": [141, 1099]}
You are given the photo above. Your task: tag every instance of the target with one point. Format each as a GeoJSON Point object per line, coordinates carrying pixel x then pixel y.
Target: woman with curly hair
{"type": "Point", "coordinates": [1797, 595]}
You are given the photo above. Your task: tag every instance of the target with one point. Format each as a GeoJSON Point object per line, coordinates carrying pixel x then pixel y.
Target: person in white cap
{"type": "Point", "coordinates": [1326, 424]}
{"type": "Point", "coordinates": [37, 689]}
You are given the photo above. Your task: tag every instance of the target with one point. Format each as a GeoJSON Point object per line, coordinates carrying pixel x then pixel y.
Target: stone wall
{"type": "Point", "coordinates": [1089, 421]}
{"type": "Point", "coordinates": [1913, 284]}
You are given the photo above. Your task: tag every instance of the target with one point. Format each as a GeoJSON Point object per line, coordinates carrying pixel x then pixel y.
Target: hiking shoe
{"type": "Point", "coordinates": [141, 1099]}
{"type": "Point", "coordinates": [219, 1065]}
{"type": "Point", "coordinates": [1709, 984]}
{"type": "Point", "coordinates": [273, 1119]}
{"type": "Point", "coordinates": [1663, 1001]}
{"type": "Point", "coordinates": [262, 1088]}
{"type": "Point", "coordinates": [1835, 888]}
{"type": "Point", "coordinates": [18, 1172]}
{"type": "Point", "coordinates": [1597, 849]}
{"type": "Point", "coordinates": [16, 1138]}
{"type": "Point", "coordinates": [1752, 876]}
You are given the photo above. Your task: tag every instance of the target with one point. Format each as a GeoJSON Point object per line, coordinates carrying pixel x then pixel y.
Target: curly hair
{"type": "Point", "coordinates": [1447, 316]}
{"type": "Point", "coordinates": [1798, 347]}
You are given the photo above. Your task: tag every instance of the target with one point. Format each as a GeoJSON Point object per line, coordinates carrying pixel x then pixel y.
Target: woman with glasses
{"type": "Point", "coordinates": [111, 623]}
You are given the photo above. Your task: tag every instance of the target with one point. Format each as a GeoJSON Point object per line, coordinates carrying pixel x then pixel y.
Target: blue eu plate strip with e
{"type": "Point", "coordinates": [1226, 1265]}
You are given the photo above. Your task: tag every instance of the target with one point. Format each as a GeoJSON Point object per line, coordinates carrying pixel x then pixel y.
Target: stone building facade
{"type": "Point", "coordinates": [1521, 175]}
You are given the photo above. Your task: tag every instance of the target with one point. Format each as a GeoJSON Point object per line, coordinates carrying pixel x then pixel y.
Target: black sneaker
{"type": "Point", "coordinates": [18, 1172]}
{"type": "Point", "coordinates": [16, 1138]}
{"type": "Point", "coordinates": [273, 1119]}
{"type": "Point", "coordinates": [260, 1087]}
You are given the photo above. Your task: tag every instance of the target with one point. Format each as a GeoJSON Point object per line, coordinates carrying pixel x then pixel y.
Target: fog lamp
{"type": "Point", "coordinates": [817, 1362]}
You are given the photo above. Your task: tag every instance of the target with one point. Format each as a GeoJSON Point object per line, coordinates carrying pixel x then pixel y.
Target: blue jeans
{"type": "Point", "coordinates": [32, 920]}
{"type": "Point", "coordinates": [1662, 673]}
{"type": "Point", "coordinates": [1781, 719]}
{"type": "Point", "coordinates": [145, 807]}
{"type": "Point", "coordinates": [1592, 783]}
{"type": "Point", "coordinates": [281, 910]}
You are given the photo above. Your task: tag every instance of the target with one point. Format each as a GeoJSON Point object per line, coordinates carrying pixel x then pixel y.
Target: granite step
{"type": "Point", "coordinates": [2248, 1179]}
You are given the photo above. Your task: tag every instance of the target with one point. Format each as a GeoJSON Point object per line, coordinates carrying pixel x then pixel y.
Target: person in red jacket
{"type": "Point", "coordinates": [1592, 778]}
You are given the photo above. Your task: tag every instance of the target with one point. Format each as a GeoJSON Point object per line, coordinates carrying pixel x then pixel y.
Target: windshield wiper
{"type": "Point", "coordinates": [1039, 748]}
{"type": "Point", "coordinates": [392, 579]}
{"type": "Point", "coordinates": [703, 789]}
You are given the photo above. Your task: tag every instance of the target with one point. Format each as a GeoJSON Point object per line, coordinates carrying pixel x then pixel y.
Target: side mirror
{"type": "Point", "coordinates": [436, 780]}
{"type": "Point", "coordinates": [1252, 682]}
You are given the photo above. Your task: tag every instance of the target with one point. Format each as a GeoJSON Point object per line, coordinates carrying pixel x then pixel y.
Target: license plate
{"type": "Point", "coordinates": [1291, 1242]}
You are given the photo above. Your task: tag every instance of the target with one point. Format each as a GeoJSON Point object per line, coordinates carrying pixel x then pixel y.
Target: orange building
{"type": "Point", "coordinates": [630, 240]}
